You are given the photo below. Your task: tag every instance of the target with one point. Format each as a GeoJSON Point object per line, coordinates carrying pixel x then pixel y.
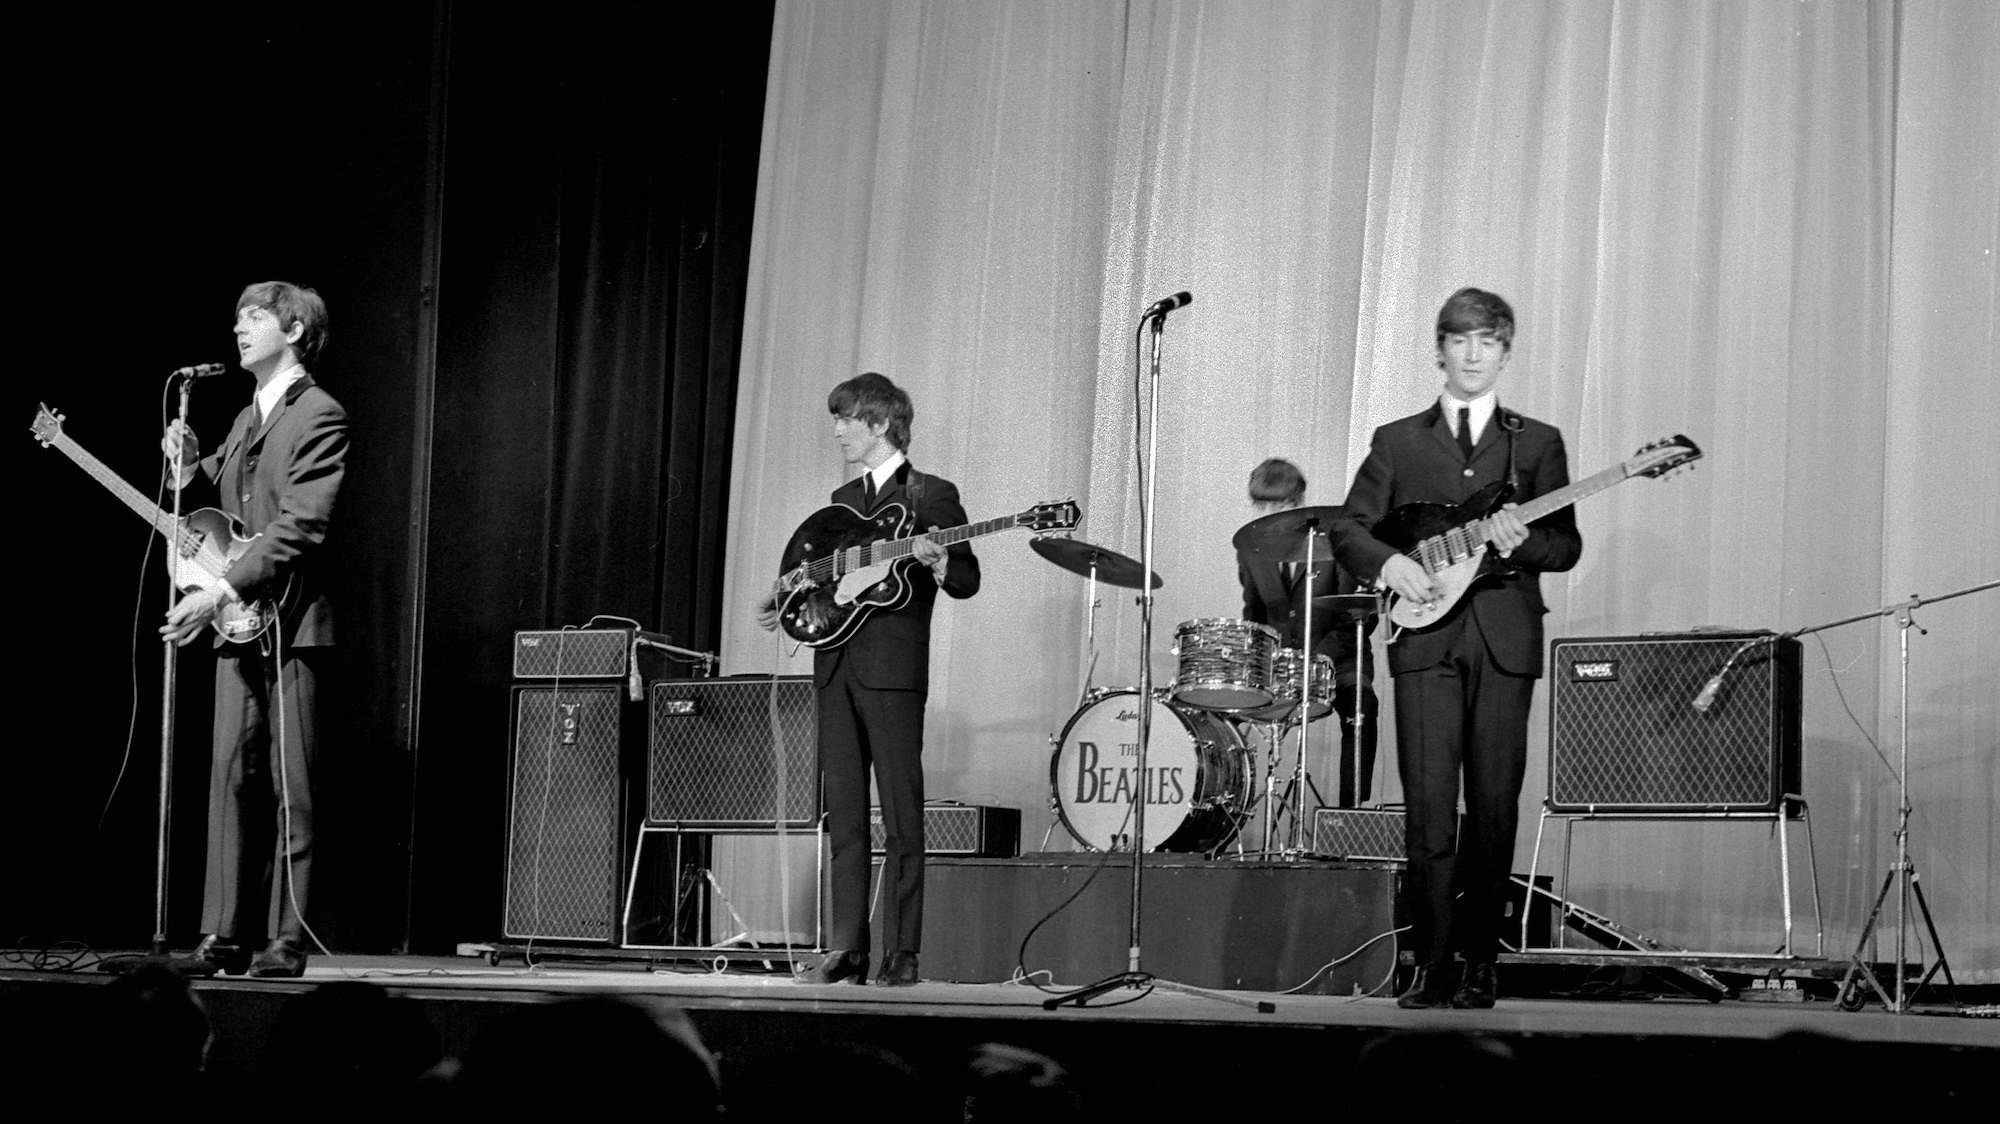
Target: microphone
{"type": "Point", "coordinates": [1162, 307]}
{"type": "Point", "coordinates": [200, 371]}
{"type": "Point", "coordinates": [634, 684]}
{"type": "Point", "coordinates": [1706, 697]}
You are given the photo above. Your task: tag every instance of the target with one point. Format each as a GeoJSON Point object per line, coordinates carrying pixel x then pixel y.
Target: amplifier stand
{"type": "Point", "coordinates": [688, 920]}
{"type": "Point", "coordinates": [1599, 928]}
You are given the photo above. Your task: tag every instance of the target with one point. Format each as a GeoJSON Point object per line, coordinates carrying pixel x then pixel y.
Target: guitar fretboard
{"type": "Point", "coordinates": [1441, 551]}
{"type": "Point", "coordinates": [861, 557]}
{"type": "Point", "coordinates": [145, 508]}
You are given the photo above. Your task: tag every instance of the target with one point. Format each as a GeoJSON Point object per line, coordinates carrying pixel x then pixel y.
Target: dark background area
{"type": "Point", "coordinates": [532, 235]}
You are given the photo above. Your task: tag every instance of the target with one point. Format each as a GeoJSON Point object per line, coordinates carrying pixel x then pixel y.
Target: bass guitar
{"type": "Point", "coordinates": [842, 565]}
{"type": "Point", "coordinates": [204, 544]}
{"type": "Point", "coordinates": [1450, 540]}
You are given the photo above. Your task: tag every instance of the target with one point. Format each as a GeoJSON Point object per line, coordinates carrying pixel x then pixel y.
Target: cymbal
{"type": "Point", "coordinates": [1344, 608]}
{"type": "Point", "coordinates": [1078, 556]}
{"type": "Point", "coordinates": [1282, 535]}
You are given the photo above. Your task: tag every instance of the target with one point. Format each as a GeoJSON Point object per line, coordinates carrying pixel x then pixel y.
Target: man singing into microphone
{"type": "Point", "coordinates": [1464, 682]}
{"type": "Point", "coordinates": [278, 471]}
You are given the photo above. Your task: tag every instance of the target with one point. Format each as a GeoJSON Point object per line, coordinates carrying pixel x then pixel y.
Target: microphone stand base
{"type": "Point", "coordinates": [128, 963]}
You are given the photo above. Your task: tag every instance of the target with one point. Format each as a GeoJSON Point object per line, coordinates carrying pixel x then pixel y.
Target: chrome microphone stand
{"type": "Point", "coordinates": [1133, 977]}
{"type": "Point", "coordinates": [1902, 873]}
{"type": "Point", "coordinates": [160, 954]}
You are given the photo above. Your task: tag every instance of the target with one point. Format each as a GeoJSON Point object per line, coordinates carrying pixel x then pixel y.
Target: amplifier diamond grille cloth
{"type": "Point", "coordinates": [959, 829]}
{"type": "Point", "coordinates": [562, 847]}
{"type": "Point", "coordinates": [1625, 735]}
{"type": "Point", "coordinates": [712, 753]}
{"type": "Point", "coordinates": [575, 653]}
{"type": "Point", "coordinates": [1358, 833]}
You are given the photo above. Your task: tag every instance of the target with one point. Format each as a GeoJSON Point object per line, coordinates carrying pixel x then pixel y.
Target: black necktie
{"type": "Point", "coordinates": [1465, 432]}
{"type": "Point", "coordinates": [867, 491]}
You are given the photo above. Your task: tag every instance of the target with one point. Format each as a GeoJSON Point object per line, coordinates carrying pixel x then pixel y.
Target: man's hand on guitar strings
{"type": "Point", "coordinates": [766, 611]}
{"type": "Point", "coordinates": [1409, 580]}
{"type": "Point", "coordinates": [1505, 530]}
{"type": "Point", "coordinates": [930, 554]}
{"type": "Point", "coordinates": [190, 615]}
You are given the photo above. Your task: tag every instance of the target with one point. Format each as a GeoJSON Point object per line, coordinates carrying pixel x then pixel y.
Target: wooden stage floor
{"type": "Point", "coordinates": [1200, 1048]}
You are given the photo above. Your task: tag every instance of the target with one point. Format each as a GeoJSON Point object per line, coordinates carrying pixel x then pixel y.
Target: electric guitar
{"type": "Point", "coordinates": [842, 565]}
{"type": "Point", "coordinates": [205, 543]}
{"type": "Point", "coordinates": [1450, 540]}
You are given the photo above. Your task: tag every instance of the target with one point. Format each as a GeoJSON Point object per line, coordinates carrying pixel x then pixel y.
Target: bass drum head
{"type": "Point", "coordinates": [1195, 767]}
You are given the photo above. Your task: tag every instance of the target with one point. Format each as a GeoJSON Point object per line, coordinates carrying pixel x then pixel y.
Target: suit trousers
{"type": "Point", "coordinates": [260, 794]}
{"type": "Point", "coordinates": [863, 729]}
{"type": "Point", "coordinates": [1464, 715]}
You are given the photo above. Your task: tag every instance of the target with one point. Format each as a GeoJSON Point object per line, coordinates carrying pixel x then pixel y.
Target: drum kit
{"type": "Point", "coordinates": [1235, 688]}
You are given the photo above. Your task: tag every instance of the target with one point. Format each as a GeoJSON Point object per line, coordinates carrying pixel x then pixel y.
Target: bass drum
{"type": "Point", "coordinates": [1197, 776]}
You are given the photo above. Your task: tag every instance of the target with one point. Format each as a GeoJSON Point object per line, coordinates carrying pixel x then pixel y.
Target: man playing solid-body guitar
{"type": "Point", "coordinates": [872, 689]}
{"type": "Point", "coordinates": [1465, 682]}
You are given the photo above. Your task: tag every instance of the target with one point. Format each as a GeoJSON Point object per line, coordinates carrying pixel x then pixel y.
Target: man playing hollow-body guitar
{"type": "Point", "coordinates": [872, 689]}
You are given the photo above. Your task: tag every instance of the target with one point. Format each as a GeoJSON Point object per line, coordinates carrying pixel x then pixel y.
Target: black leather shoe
{"type": "Point", "coordinates": [1476, 991]}
{"type": "Point", "coordinates": [281, 959]}
{"type": "Point", "coordinates": [899, 969]}
{"type": "Point", "coordinates": [222, 953]}
{"type": "Point", "coordinates": [1430, 988]}
{"type": "Point", "coordinates": [838, 967]}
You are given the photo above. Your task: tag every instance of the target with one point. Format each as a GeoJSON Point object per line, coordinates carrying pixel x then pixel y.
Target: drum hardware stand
{"type": "Point", "coordinates": [160, 955]}
{"type": "Point", "coordinates": [1133, 977]}
{"type": "Point", "coordinates": [1303, 714]}
{"type": "Point", "coordinates": [1902, 873]}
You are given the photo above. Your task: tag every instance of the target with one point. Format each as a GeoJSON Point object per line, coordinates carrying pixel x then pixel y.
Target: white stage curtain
{"type": "Point", "coordinates": [1768, 226]}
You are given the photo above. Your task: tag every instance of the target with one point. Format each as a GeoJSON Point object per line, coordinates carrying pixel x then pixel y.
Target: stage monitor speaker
{"type": "Point", "coordinates": [1625, 734]}
{"type": "Point", "coordinates": [732, 753]}
{"type": "Point", "coordinates": [564, 827]}
{"type": "Point", "coordinates": [960, 829]}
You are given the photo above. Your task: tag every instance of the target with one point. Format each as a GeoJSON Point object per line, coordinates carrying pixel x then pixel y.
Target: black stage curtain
{"type": "Point", "coordinates": [533, 236]}
{"type": "Point", "coordinates": [600, 173]}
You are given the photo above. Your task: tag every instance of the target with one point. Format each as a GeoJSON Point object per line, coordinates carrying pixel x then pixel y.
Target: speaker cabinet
{"type": "Point", "coordinates": [732, 753]}
{"type": "Point", "coordinates": [1362, 834]}
{"type": "Point", "coordinates": [564, 822]}
{"type": "Point", "coordinates": [960, 829]}
{"type": "Point", "coordinates": [1358, 833]}
{"type": "Point", "coordinates": [1626, 735]}
{"type": "Point", "coordinates": [572, 653]}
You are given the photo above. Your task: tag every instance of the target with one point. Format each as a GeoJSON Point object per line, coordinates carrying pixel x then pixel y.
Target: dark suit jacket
{"type": "Point", "coordinates": [1416, 460]}
{"type": "Point", "coordinates": [892, 648]}
{"type": "Point", "coordinates": [281, 481]}
{"type": "Point", "coordinates": [1269, 599]}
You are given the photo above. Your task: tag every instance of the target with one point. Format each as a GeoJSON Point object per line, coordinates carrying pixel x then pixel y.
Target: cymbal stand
{"type": "Point", "coordinates": [1902, 873]}
{"type": "Point", "coordinates": [1089, 658]}
{"type": "Point", "coordinates": [1302, 713]}
{"type": "Point", "coordinates": [1360, 722]}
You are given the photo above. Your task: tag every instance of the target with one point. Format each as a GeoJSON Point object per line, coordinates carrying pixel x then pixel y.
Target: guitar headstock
{"type": "Point", "coordinates": [1061, 515]}
{"type": "Point", "coordinates": [47, 426]}
{"type": "Point", "coordinates": [1666, 455]}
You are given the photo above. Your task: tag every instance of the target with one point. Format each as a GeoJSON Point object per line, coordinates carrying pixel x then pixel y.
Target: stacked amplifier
{"type": "Point", "coordinates": [575, 740]}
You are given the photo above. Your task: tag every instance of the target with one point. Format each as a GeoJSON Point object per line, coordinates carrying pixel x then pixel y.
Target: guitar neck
{"type": "Point", "coordinates": [893, 549]}
{"type": "Point", "coordinates": [142, 506]}
{"type": "Point", "coordinates": [1560, 498]}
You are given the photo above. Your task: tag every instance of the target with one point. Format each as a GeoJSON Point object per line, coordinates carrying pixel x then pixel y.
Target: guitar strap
{"type": "Point", "coordinates": [916, 490]}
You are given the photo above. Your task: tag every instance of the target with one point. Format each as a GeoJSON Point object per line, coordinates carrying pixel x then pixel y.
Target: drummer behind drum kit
{"type": "Point", "coordinates": [1234, 685]}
